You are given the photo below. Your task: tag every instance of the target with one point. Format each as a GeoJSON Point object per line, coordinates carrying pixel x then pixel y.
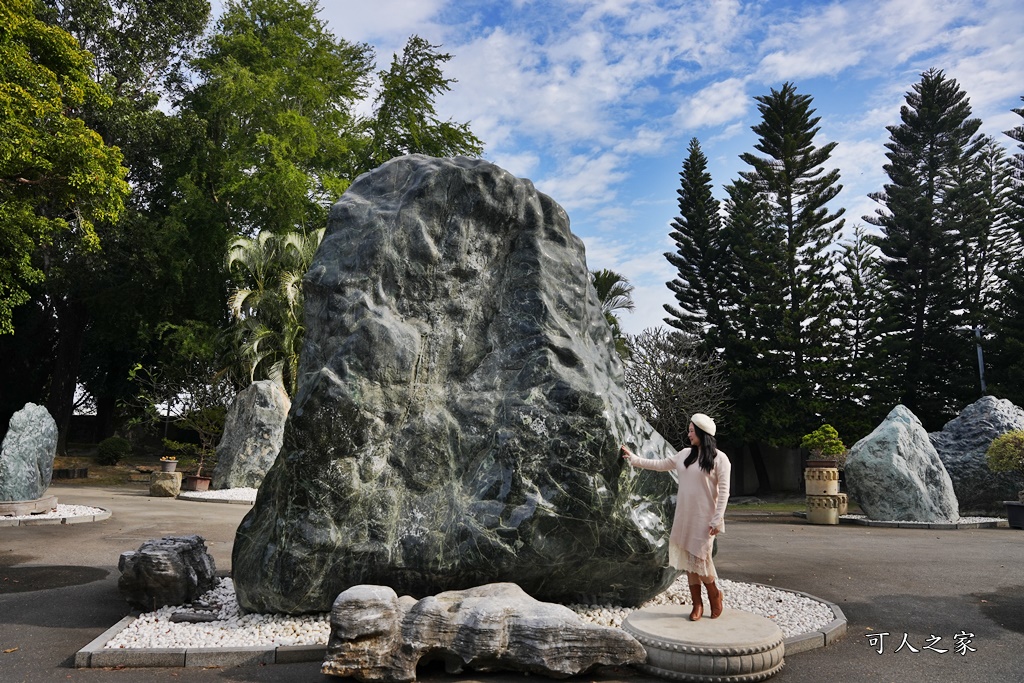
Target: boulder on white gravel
{"type": "Point", "coordinates": [894, 473]}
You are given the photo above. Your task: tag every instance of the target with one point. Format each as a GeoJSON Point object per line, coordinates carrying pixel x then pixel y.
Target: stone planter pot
{"type": "Point", "coordinates": [823, 509]}
{"type": "Point", "coordinates": [194, 483]}
{"type": "Point", "coordinates": [168, 465]}
{"type": "Point", "coordinates": [821, 462]}
{"type": "Point", "coordinates": [821, 481]}
{"type": "Point", "coordinates": [1014, 513]}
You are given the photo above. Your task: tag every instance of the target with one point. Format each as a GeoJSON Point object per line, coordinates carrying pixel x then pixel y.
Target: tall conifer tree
{"type": "Point", "coordinates": [792, 288]}
{"type": "Point", "coordinates": [1008, 358]}
{"type": "Point", "coordinates": [697, 234]}
{"type": "Point", "coordinates": [929, 361]}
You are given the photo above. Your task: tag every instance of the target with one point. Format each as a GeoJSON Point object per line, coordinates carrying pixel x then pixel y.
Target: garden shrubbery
{"type": "Point", "coordinates": [113, 450]}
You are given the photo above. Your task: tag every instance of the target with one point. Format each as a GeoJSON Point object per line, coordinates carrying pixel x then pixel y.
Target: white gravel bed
{"type": "Point", "coordinates": [795, 614]}
{"type": "Point", "coordinates": [60, 512]}
{"type": "Point", "coordinates": [246, 494]}
{"type": "Point", "coordinates": [962, 520]}
{"type": "Point", "coordinates": [231, 629]}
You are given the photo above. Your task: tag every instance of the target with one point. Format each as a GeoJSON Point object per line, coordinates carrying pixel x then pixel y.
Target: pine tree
{"type": "Point", "coordinates": [793, 288]}
{"type": "Point", "coordinates": [847, 388]}
{"type": "Point", "coordinates": [697, 234]}
{"type": "Point", "coordinates": [928, 360]}
{"type": "Point", "coordinates": [1007, 359]}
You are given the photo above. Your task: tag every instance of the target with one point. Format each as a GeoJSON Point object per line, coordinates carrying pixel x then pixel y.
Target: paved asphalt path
{"type": "Point", "coordinates": [58, 591]}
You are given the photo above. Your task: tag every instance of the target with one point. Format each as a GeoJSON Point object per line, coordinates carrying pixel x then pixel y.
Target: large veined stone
{"type": "Point", "coordinates": [894, 473]}
{"type": "Point", "coordinates": [376, 636]}
{"type": "Point", "coordinates": [173, 570]}
{"type": "Point", "coordinates": [26, 458]}
{"type": "Point", "coordinates": [253, 433]}
{"type": "Point", "coordinates": [962, 444]}
{"type": "Point", "coordinates": [460, 409]}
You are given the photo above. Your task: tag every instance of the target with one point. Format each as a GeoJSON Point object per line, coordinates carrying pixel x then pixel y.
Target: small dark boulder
{"type": "Point", "coordinates": [174, 570]}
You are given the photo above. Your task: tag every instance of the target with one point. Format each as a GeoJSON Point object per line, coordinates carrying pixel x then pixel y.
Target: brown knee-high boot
{"type": "Point", "coordinates": [715, 599]}
{"type": "Point", "coordinates": [698, 603]}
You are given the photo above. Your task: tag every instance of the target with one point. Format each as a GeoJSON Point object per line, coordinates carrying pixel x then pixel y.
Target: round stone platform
{"type": "Point", "coordinates": [736, 647]}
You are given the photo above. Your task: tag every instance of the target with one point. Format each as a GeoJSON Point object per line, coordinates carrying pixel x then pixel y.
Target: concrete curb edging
{"type": "Point", "coordinates": [184, 496]}
{"type": "Point", "coordinates": [94, 655]}
{"type": "Point", "coordinates": [943, 526]}
{"type": "Point", "coordinates": [822, 637]}
{"type": "Point", "coordinates": [46, 521]}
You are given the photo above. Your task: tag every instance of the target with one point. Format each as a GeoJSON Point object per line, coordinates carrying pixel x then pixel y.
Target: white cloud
{"type": "Point", "coordinates": [717, 104]}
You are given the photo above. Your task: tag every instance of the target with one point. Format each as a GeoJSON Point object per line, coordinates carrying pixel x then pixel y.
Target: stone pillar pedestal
{"type": "Point", "coordinates": [738, 647]}
{"type": "Point", "coordinates": [826, 509]}
{"type": "Point", "coordinates": [824, 502]}
{"type": "Point", "coordinates": [165, 484]}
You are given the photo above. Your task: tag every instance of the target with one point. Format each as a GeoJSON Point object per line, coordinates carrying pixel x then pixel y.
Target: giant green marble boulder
{"type": "Point", "coordinates": [460, 409]}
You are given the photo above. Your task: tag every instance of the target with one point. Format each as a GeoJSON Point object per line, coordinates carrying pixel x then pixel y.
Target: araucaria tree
{"type": "Point", "coordinates": [697, 234]}
{"type": "Point", "coordinates": [1008, 345]}
{"type": "Point", "coordinates": [789, 269]}
{"type": "Point", "coordinates": [928, 366]}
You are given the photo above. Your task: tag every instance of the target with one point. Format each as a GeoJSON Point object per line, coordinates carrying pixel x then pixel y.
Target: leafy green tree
{"type": "Point", "coordinates": [615, 294]}
{"type": "Point", "coordinates": [100, 306]}
{"type": "Point", "coordinates": [927, 359]}
{"type": "Point", "coordinates": [276, 91]}
{"type": "Point", "coordinates": [799, 234]}
{"type": "Point", "coordinates": [57, 177]}
{"type": "Point", "coordinates": [697, 232]}
{"type": "Point", "coordinates": [404, 120]}
{"type": "Point", "coordinates": [266, 308]}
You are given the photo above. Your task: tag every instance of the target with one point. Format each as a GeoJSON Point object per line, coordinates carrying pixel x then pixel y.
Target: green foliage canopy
{"type": "Point", "coordinates": [56, 174]}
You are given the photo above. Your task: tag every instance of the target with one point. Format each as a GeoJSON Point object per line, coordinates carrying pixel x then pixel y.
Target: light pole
{"type": "Point", "coordinates": [981, 359]}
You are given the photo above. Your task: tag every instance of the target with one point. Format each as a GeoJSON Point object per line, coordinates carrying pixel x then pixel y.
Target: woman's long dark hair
{"type": "Point", "coordinates": [704, 452]}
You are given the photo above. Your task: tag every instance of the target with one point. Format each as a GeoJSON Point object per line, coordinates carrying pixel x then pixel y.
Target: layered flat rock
{"type": "Point", "coordinates": [460, 409]}
{"type": "Point", "coordinates": [377, 636]}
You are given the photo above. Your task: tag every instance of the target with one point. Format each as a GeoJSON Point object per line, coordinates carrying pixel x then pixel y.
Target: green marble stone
{"type": "Point", "coordinates": [460, 410]}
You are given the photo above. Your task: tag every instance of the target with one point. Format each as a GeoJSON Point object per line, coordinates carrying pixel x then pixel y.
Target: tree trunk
{"type": "Point", "coordinates": [71, 323]}
{"type": "Point", "coordinates": [763, 485]}
{"type": "Point", "coordinates": [105, 411]}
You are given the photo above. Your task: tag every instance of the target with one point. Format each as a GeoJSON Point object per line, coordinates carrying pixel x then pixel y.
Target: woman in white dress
{"type": "Point", "coordinates": [700, 508]}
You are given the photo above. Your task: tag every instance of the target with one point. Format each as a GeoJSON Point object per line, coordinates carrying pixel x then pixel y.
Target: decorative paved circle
{"type": "Point", "coordinates": [737, 647]}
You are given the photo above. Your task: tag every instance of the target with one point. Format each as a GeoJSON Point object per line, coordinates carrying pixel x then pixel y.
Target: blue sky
{"type": "Point", "coordinates": [596, 100]}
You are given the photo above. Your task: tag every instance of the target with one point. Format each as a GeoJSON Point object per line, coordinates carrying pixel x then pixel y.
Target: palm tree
{"type": "Point", "coordinates": [266, 307]}
{"type": "Point", "coordinates": [615, 294]}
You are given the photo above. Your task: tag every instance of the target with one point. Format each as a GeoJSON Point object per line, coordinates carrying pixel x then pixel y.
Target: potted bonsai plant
{"type": "Point", "coordinates": [825, 446]}
{"type": "Point", "coordinates": [1006, 454]}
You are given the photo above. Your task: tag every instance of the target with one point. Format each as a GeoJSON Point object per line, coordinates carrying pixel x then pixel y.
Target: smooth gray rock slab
{"type": "Point", "coordinates": [894, 473]}
{"type": "Point", "coordinates": [26, 457]}
{"type": "Point", "coordinates": [376, 636]}
{"type": "Point", "coordinates": [252, 437]}
{"type": "Point", "coordinates": [962, 443]}
{"type": "Point", "coordinates": [460, 409]}
{"type": "Point", "coordinates": [174, 570]}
